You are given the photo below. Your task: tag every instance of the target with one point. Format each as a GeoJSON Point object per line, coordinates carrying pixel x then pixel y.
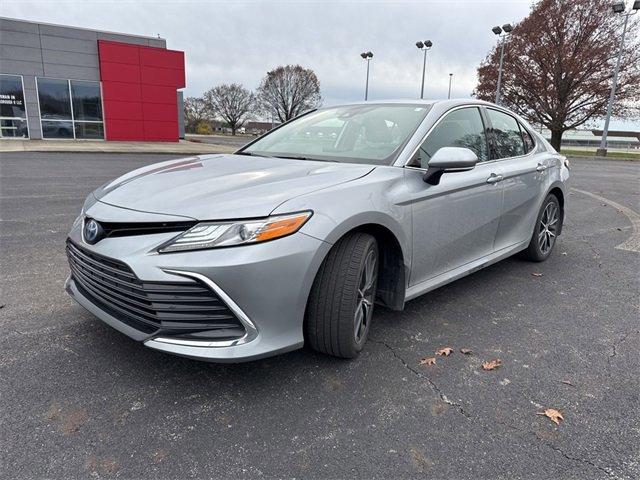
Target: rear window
{"type": "Point", "coordinates": [506, 134]}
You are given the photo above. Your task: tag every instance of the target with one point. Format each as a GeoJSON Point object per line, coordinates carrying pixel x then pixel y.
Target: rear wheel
{"type": "Point", "coordinates": [340, 305]}
{"type": "Point", "coordinates": [546, 231]}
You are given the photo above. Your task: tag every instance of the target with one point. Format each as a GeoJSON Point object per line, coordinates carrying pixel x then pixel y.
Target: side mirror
{"type": "Point", "coordinates": [449, 159]}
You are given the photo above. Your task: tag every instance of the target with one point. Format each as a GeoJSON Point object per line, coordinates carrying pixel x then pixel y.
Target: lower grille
{"type": "Point", "coordinates": [182, 309]}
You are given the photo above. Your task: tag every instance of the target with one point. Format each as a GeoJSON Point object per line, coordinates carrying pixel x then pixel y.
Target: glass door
{"type": "Point", "coordinates": [13, 111]}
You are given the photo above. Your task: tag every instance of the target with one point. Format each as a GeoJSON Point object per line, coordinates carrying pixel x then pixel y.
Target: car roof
{"type": "Point", "coordinates": [412, 101]}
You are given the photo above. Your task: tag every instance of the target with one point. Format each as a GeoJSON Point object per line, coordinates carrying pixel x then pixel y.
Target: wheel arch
{"type": "Point", "coordinates": [393, 270]}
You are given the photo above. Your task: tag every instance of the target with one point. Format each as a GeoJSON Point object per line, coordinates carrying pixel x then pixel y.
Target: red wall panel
{"type": "Point", "coordinates": [158, 94]}
{"type": "Point", "coordinates": [123, 110]}
{"type": "Point", "coordinates": [161, 76]}
{"type": "Point", "coordinates": [119, 91]}
{"type": "Point", "coordinates": [125, 130]}
{"type": "Point", "coordinates": [120, 53]}
{"type": "Point", "coordinates": [162, 58]}
{"type": "Point", "coordinates": [152, 111]}
{"type": "Point", "coordinates": [157, 131]}
{"type": "Point", "coordinates": [139, 91]}
{"type": "Point", "coordinates": [119, 72]}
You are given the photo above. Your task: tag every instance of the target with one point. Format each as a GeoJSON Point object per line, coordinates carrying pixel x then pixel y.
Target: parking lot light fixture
{"type": "Point", "coordinates": [618, 7]}
{"type": "Point", "coordinates": [367, 56]}
{"type": "Point", "coordinates": [502, 33]}
{"type": "Point", "coordinates": [424, 46]}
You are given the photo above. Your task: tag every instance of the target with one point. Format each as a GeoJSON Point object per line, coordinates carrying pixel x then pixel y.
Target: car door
{"type": "Point", "coordinates": [524, 173]}
{"type": "Point", "coordinates": [455, 221]}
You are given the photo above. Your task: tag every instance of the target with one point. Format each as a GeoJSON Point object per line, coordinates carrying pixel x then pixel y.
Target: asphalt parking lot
{"type": "Point", "coordinates": [78, 399]}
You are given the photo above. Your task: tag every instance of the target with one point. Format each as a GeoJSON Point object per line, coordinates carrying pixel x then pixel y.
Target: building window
{"type": "Point", "coordinates": [57, 129]}
{"type": "Point", "coordinates": [13, 112]}
{"type": "Point", "coordinates": [89, 130]}
{"type": "Point", "coordinates": [70, 109]}
{"type": "Point", "coordinates": [54, 98]}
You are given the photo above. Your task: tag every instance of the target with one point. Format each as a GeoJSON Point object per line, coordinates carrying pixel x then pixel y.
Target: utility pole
{"type": "Point", "coordinates": [618, 7]}
{"type": "Point", "coordinates": [424, 46]}
{"type": "Point", "coordinates": [502, 33]}
{"type": "Point", "coordinates": [367, 56]}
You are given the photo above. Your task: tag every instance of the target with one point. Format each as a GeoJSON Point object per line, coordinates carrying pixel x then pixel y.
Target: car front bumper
{"type": "Point", "coordinates": [266, 285]}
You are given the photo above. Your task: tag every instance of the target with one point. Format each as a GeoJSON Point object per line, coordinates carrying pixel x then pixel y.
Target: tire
{"type": "Point", "coordinates": [338, 316]}
{"type": "Point", "coordinates": [545, 232]}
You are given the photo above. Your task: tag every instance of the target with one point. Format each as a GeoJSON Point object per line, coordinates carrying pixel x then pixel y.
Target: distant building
{"type": "Point", "coordinates": [59, 82]}
{"type": "Point", "coordinates": [258, 128]}
{"type": "Point", "coordinates": [616, 139]}
{"type": "Point", "coordinates": [250, 127]}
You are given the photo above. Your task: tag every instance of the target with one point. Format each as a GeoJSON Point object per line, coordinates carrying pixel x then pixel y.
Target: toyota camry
{"type": "Point", "coordinates": [295, 238]}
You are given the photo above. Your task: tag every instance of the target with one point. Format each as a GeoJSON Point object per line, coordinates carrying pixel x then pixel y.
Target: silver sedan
{"type": "Point", "coordinates": [294, 238]}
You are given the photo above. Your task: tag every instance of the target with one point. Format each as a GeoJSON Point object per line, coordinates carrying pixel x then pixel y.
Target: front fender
{"type": "Point", "coordinates": [377, 199]}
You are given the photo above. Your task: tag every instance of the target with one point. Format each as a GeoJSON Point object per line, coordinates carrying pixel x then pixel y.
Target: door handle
{"type": "Point", "coordinates": [494, 178]}
{"type": "Point", "coordinates": [541, 168]}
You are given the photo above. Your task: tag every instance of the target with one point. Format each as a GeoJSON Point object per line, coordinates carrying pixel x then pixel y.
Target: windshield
{"type": "Point", "coordinates": [372, 134]}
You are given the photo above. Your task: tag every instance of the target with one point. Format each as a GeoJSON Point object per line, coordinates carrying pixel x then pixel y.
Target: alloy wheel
{"type": "Point", "coordinates": [548, 228]}
{"type": "Point", "coordinates": [366, 292]}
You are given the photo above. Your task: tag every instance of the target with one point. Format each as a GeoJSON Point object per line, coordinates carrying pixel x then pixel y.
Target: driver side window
{"type": "Point", "coordinates": [460, 128]}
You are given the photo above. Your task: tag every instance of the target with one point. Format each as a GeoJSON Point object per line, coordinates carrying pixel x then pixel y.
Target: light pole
{"type": "Point", "coordinates": [367, 56]}
{"type": "Point", "coordinates": [424, 46]}
{"type": "Point", "coordinates": [618, 7]}
{"type": "Point", "coordinates": [450, 77]}
{"type": "Point", "coordinates": [501, 32]}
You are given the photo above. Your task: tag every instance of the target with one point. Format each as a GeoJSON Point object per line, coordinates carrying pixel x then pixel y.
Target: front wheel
{"type": "Point", "coordinates": [546, 230]}
{"type": "Point", "coordinates": [340, 305]}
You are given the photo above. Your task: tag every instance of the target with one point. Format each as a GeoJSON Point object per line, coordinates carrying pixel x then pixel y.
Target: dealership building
{"type": "Point", "coordinates": [59, 82]}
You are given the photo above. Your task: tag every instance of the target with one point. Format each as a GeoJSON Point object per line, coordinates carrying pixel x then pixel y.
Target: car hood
{"type": "Point", "coordinates": [223, 186]}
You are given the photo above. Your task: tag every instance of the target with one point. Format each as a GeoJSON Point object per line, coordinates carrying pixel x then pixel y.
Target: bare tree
{"type": "Point", "coordinates": [195, 112]}
{"type": "Point", "coordinates": [288, 91]}
{"type": "Point", "coordinates": [232, 102]}
{"type": "Point", "coordinates": [558, 66]}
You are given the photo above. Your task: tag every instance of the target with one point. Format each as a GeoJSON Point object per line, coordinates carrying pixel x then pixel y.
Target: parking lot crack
{"type": "Point", "coordinates": [420, 375]}
{"type": "Point", "coordinates": [555, 448]}
{"type": "Point", "coordinates": [622, 339]}
{"type": "Point", "coordinates": [523, 433]}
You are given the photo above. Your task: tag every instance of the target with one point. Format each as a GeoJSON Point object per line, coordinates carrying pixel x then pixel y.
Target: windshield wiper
{"type": "Point", "coordinates": [250, 154]}
{"type": "Point", "coordinates": [300, 157]}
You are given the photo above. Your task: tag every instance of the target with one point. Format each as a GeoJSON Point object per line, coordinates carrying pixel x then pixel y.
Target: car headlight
{"type": "Point", "coordinates": [229, 234]}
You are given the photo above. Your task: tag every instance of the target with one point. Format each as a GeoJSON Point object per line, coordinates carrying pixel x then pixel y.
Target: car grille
{"type": "Point", "coordinates": [120, 229]}
{"type": "Point", "coordinates": [181, 309]}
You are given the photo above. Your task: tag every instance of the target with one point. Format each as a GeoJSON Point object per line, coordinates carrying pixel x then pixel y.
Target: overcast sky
{"type": "Point", "coordinates": [239, 40]}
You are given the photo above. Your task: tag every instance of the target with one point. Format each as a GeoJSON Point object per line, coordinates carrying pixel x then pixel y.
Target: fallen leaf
{"type": "Point", "coordinates": [552, 414]}
{"type": "Point", "coordinates": [492, 364]}
{"type": "Point", "coordinates": [619, 229]}
{"type": "Point", "coordinates": [466, 351]}
{"type": "Point", "coordinates": [428, 361]}
{"type": "Point", "coordinates": [564, 253]}
{"type": "Point", "coordinates": [444, 351]}
{"type": "Point", "coordinates": [567, 382]}
{"type": "Point", "coordinates": [535, 274]}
